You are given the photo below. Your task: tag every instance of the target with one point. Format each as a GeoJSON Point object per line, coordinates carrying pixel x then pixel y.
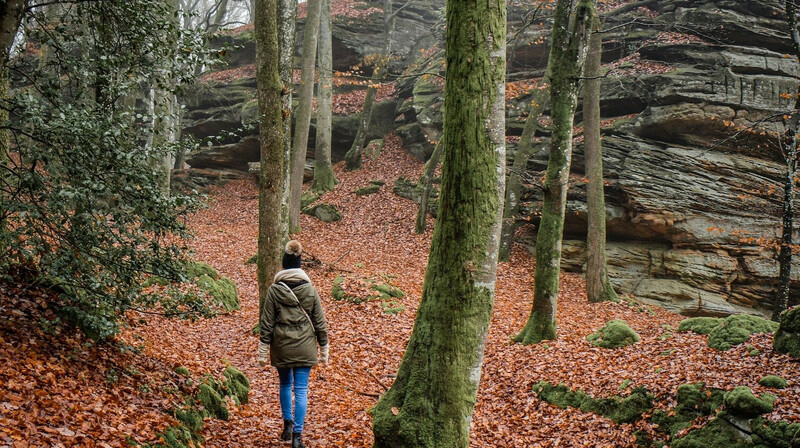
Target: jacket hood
{"type": "Point", "coordinates": [284, 296]}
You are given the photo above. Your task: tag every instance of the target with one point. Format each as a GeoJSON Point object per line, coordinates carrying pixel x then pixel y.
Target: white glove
{"type": "Point", "coordinates": [263, 354]}
{"type": "Point", "coordinates": [323, 354]}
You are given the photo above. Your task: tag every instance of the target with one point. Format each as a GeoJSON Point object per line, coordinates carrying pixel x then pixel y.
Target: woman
{"type": "Point", "coordinates": [292, 324]}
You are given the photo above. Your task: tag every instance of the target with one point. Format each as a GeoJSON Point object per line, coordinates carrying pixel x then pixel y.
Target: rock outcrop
{"type": "Point", "coordinates": [692, 194]}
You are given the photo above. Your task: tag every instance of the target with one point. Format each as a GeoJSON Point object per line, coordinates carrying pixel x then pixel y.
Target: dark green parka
{"type": "Point", "coordinates": [292, 338]}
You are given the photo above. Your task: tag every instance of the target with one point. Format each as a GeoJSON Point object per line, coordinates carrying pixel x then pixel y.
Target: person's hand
{"type": "Point", "coordinates": [323, 354]}
{"type": "Point", "coordinates": [263, 354]}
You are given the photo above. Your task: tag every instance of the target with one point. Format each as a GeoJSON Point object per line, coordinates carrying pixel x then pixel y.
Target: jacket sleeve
{"type": "Point", "coordinates": [320, 324]}
{"type": "Point", "coordinates": [267, 319]}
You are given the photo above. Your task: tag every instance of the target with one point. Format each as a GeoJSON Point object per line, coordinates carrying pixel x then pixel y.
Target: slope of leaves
{"type": "Point", "coordinates": [374, 239]}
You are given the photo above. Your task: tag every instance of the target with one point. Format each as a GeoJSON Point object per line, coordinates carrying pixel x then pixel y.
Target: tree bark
{"type": "Point", "coordinates": [598, 285]}
{"type": "Point", "coordinates": [287, 23]}
{"type": "Point", "coordinates": [219, 16]}
{"type": "Point", "coordinates": [300, 141]}
{"type": "Point", "coordinates": [525, 150]}
{"type": "Point", "coordinates": [432, 400]}
{"type": "Point", "coordinates": [270, 176]}
{"type": "Point", "coordinates": [324, 179]}
{"type": "Point", "coordinates": [567, 53]}
{"type": "Point", "coordinates": [790, 156]}
{"type": "Point", "coordinates": [426, 180]}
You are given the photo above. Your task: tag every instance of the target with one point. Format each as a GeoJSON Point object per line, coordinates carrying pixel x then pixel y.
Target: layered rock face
{"type": "Point", "coordinates": [692, 194]}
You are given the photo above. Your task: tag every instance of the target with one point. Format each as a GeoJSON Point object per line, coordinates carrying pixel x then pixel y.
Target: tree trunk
{"type": "Point", "coordinates": [270, 176]}
{"type": "Point", "coordinates": [432, 400]}
{"type": "Point", "coordinates": [598, 285]}
{"type": "Point", "coordinates": [525, 150]}
{"type": "Point", "coordinates": [324, 179]}
{"type": "Point", "coordinates": [287, 16]}
{"type": "Point", "coordinates": [300, 141]}
{"type": "Point", "coordinates": [426, 180]}
{"type": "Point", "coordinates": [567, 52]}
{"type": "Point", "coordinates": [790, 154]}
{"type": "Point", "coordinates": [352, 159]}
{"type": "Point", "coordinates": [219, 16]}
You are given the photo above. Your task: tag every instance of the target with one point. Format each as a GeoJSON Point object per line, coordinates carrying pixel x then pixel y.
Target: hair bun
{"type": "Point", "coordinates": [294, 247]}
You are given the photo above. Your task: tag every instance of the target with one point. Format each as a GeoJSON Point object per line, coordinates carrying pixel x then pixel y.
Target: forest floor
{"type": "Point", "coordinates": [59, 390]}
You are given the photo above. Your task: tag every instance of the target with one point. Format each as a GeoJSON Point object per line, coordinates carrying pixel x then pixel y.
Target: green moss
{"type": "Point", "coordinates": [618, 409]}
{"type": "Point", "coordinates": [182, 371]}
{"type": "Point", "coordinates": [198, 268]}
{"type": "Point", "coordinates": [370, 189]}
{"type": "Point", "coordinates": [177, 437]}
{"type": "Point", "coordinates": [716, 434]}
{"type": "Point", "coordinates": [213, 404]}
{"type": "Point", "coordinates": [737, 329]}
{"type": "Point", "coordinates": [773, 381]}
{"type": "Point", "coordinates": [741, 401]}
{"type": "Point", "coordinates": [700, 325]}
{"type": "Point", "coordinates": [307, 199]}
{"type": "Point", "coordinates": [337, 292]}
{"type": "Point", "coordinates": [392, 307]}
{"type": "Point", "coordinates": [787, 337]}
{"type": "Point", "coordinates": [616, 333]}
{"type": "Point", "coordinates": [694, 400]}
{"type": "Point", "coordinates": [324, 212]}
{"type": "Point", "coordinates": [252, 260]}
{"type": "Point", "coordinates": [237, 385]}
{"type": "Point", "coordinates": [388, 291]}
{"type": "Point", "coordinates": [771, 434]}
{"type": "Point", "coordinates": [191, 418]}
{"type": "Point", "coordinates": [223, 290]}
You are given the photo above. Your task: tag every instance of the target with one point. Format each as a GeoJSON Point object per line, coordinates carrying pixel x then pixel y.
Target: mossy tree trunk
{"type": "Point", "coordinates": [525, 150]}
{"type": "Point", "coordinates": [432, 399]}
{"type": "Point", "coordinates": [598, 285]}
{"type": "Point", "coordinates": [426, 181]}
{"type": "Point", "coordinates": [303, 116]}
{"type": "Point", "coordinates": [789, 146]}
{"type": "Point", "coordinates": [287, 24]}
{"type": "Point", "coordinates": [567, 53]}
{"type": "Point", "coordinates": [270, 176]}
{"type": "Point", "coordinates": [324, 179]}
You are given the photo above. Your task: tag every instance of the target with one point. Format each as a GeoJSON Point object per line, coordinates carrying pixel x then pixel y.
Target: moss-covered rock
{"type": "Point", "coordinates": [308, 198]}
{"type": "Point", "coordinates": [198, 268]}
{"type": "Point", "coordinates": [619, 409]}
{"type": "Point", "coordinates": [190, 417]}
{"type": "Point", "coordinates": [212, 401]}
{"type": "Point", "coordinates": [177, 437]}
{"type": "Point", "coordinates": [694, 400]}
{"type": "Point", "coordinates": [716, 434]}
{"type": "Point", "coordinates": [700, 325]}
{"type": "Point", "coordinates": [773, 381]}
{"type": "Point", "coordinates": [741, 402]}
{"type": "Point", "coordinates": [324, 212]}
{"type": "Point", "coordinates": [736, 329]}
{"type": "Point", "coordinates": [616, 333]}
{"type": "Point", "coordinates": [237, 385]}
{"type": "Point", "coordinates": [787, 337]}
{"type": "Point", "coordinates": [369, 189]}
{"type": "Point", "coordinates": [223, 290]}
{"type": "Point", "coordinates": [389, 291]}
{"type": "Point", "coordinates": [181, 370]}
{"type": "Point", "coordinates": [771, 434]}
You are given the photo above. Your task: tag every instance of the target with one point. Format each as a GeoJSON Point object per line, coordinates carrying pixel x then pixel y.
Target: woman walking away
{"type": "Point", "coordinates": [292, 324]}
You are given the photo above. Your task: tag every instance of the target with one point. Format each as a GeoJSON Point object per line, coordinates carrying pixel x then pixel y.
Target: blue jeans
{"type": "Point", "coordinates": [297, 376]}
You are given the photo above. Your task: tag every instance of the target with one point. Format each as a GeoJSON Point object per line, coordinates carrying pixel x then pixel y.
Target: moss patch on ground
{"type": "Point", "coordinates": [700, 325]}
{"type": "Point", "coordinates": [617, 408]}
{"type": "Point", "coordinates": [773, 381]}
{"type": "Point", "coordinates": [615, 334]}
{"type": "Point", "coordinates": [736, 329]}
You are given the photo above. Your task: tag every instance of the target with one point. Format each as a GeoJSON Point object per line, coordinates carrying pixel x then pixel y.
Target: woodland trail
{"type": "Point", "coordinates": [60, 391]}
{"type": "Point", "coordinates": [375, 239]}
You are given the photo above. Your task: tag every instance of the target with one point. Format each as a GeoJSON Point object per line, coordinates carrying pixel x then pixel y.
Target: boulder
{"type": "Point", "coordinates": [615, 334]}
{"type": "Point", "coordinates": [787, 337]}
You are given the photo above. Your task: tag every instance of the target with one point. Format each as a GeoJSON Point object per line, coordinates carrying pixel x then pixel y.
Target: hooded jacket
{"type": "Point", "coordinates": [286, 328]}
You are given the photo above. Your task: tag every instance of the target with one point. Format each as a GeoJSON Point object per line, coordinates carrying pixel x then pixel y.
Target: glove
{"type": "Point", "coordinates": [323, 354]}
{"type": "Point", "coordinates": [263, 354]}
